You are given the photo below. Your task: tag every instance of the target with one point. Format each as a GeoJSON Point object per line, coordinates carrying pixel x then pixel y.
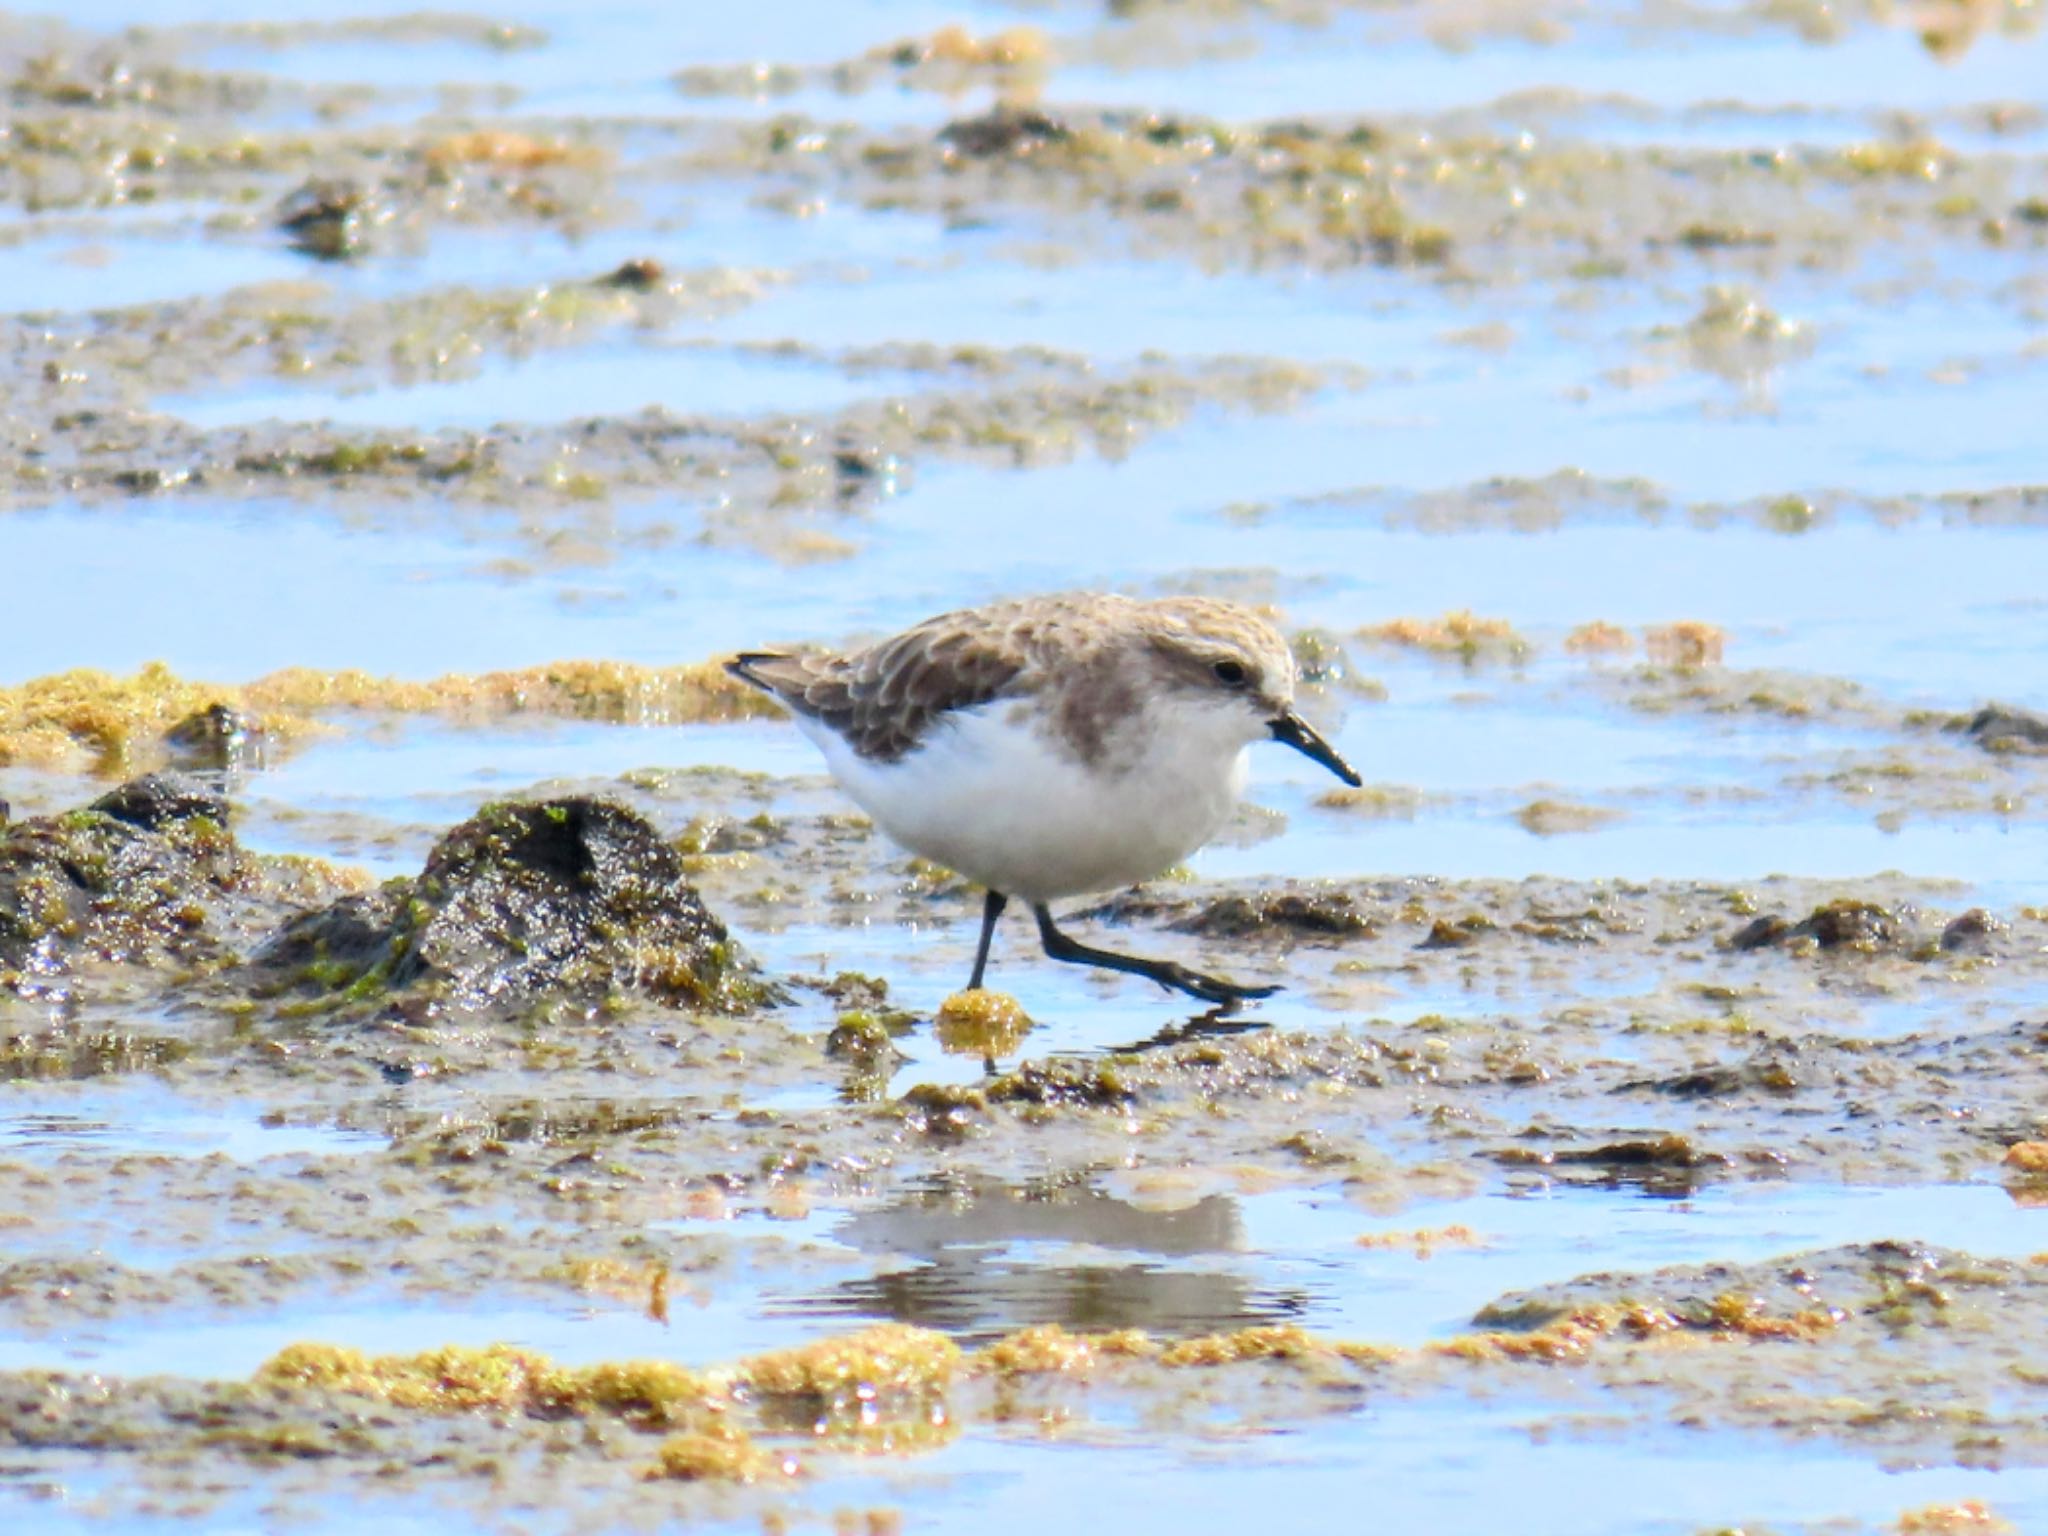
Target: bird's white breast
{"type": "Point", "coordinates": [991, 794]}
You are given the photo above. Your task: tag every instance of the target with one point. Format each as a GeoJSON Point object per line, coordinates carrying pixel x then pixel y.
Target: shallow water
{"type": "Point", "coordinates": [982, 1262]}
{"type": "Point", "coordinates": [621, 382]}
{"type": "Point", "coordinates": [139, 1120]}
{"type": "Point", "coordinates": [1822, 440]}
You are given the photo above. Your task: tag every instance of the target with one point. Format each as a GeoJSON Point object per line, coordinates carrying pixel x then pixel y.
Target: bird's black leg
{"type": "Point", "coordinates": [991, 909]}
{"type": "Point", "coordinates": [1210, 989]}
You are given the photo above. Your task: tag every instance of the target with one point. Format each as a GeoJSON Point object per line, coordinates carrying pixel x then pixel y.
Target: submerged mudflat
{"type": "Point", "coordinates": [459, 1057]}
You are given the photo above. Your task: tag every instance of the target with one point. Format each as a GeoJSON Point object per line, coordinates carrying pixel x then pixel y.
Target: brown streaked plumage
{"type": "Point", "coordinates": [1052, 746]}
{"type": "Point", "coordinates": [883, 698]}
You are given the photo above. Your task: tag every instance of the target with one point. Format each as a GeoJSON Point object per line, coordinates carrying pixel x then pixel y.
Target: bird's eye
{"type": "Point", "coordinates": [1230, 674]}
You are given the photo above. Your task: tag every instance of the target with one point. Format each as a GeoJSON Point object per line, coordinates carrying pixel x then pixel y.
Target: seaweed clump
{"type": "Point", "coordinates": [574, 899]}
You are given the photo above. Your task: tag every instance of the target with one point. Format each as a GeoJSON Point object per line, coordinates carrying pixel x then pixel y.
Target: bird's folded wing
{"type": "Point", "coordinates": [885, 699]}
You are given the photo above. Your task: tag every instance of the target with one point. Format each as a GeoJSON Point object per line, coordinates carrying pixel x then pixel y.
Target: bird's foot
{"type": "Point", "coordinates": [1210, 989]}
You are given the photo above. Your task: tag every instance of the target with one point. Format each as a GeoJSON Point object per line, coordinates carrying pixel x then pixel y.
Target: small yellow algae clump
{"type": "Point", "coordinates": [1424, 1240]}
{"type": "Point", "coordinates": [1011, 48]}
{"type": "Point", "coordinates": [1391, 801]}
{"type": "Point", "coordinates": [2027, 1157]}
{"type": "Point", "coordinates": [881, 1390]}
{"type": "Point", "coordinates": [642, 1284]}
{"type": "Point", "coordinates": [652, 1393]}
{"type": "Point", "coordinates": [1554, 818]}
{"type": "Point", "coordinates": [981, 1023]}
{"type": "Point", "coordinates": [496, 147]}
{"type": "Point", "coordinates": [1461, 633]}
{"type": "Point", "coordinates": [1688, 643]}
{"type": "Point", "coordinates": [890, 1357]}
{"type": "Point", "coordinates": [1969, 1516]}
{"type": "Point", "coordinates": [1050, 1350]}
{"type": "Point", "coordinates": [1274, 1342]}
{"type": "Point", "coordinates": [724, 1458]}
{"type": "Point", "coordinates": [1598, 636]}
{"type": "Point", "coordinates": [1566, 1341]}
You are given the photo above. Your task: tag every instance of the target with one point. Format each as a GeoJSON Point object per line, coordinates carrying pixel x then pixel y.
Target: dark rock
{"type": "Point", "coordinates": [640, 275]}
{"type": "Point", "coordinates": [1765, 1073]}
{"type": "Point", "coordinates": [1669, 1164]}
{"type": "Point", "coordinates": [1003, 130]}
{"type": "Point", "coordinates": [947, 1111]}
{"type": "Point", "coordinates": [1447, 935]}
{"type": "Point", "coordinates": [943, 1111]}
{"type": "Point", "coordinates": [1141, 905]}
{"type": "Point", "coordinates": [1760, 933]}
{"type": "Point", "coordinates": [150, 479]}
{"type": "Point", "coordinates": [139, 876]}
{"type": "Point", "coordinates": [1590, 926]}
{"type": "Point", "coordinates": [217, 737]}
{"type": "Point", "coordinates": [574, 898]}
{"type": "Point", "coordinates": [1845, 924]}
{"type": "Point", "coordinates": [1860, 924]}
{"type": "Point", "coordinates": [343, 944]}
{"type": "Point", "coordinates": [2001, 728]}
{"type": "Point", "coordinates": [1155, 129]}
{"type": "Point", "coordinates": [326, 219]}
{"type": "Point", "coordinates": [1059, 1082]}
{"type": "Point", "coordinates": [1316, 1148]}
{"type": "Point", "coordinates": [1673, 1151]}
{"type": "Point", "coordinates": [719, 834]}
{"type": "Point", "coordinates": [1971, 933]}
{"type": "Point", "coordinates": [851, 989]}
{"type": "Point", "coordinates": [863, 1039]}
{"type": "Point", "coordinates": [158, 801]}
{"type": "Point", "coordinates": [1316, 913]}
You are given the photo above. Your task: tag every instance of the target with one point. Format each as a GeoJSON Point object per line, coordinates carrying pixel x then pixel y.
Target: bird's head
{"type": "Point", "coordinates": [1224, 662]}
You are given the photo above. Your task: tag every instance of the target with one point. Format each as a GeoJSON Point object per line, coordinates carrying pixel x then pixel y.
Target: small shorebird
{"type": "Point", "coordinates": [1054, 746]}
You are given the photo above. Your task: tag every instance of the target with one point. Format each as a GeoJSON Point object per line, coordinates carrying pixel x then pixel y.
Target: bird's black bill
{"type": "Point", "coordinates": [1303, 737]}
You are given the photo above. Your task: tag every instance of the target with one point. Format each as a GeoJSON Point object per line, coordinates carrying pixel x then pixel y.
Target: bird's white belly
{"type": "Point", "coordinates": [991, 797]}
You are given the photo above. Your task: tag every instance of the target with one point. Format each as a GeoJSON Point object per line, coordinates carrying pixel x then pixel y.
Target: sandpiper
{"type": "Point", "coordinates": [1054, 746]}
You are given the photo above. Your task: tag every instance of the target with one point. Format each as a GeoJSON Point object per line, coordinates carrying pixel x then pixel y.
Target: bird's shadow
{"type": "Point", "coordinates": [1215, 1021]}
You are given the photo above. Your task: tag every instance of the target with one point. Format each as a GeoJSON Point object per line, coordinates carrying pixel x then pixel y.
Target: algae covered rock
{"type": "Point", "coordinates": [574, 898]}
{"type": "Point", "coordinates": [2002, 728]}
{"type": "Point", "coordinates": [139, 876]}
{"type": "Point", "coordinates": [1002, 131]}
{"type": "Point", "coordinates": [1861, 926]}
{"type": "Point", "coordinates": [1294, 914]}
